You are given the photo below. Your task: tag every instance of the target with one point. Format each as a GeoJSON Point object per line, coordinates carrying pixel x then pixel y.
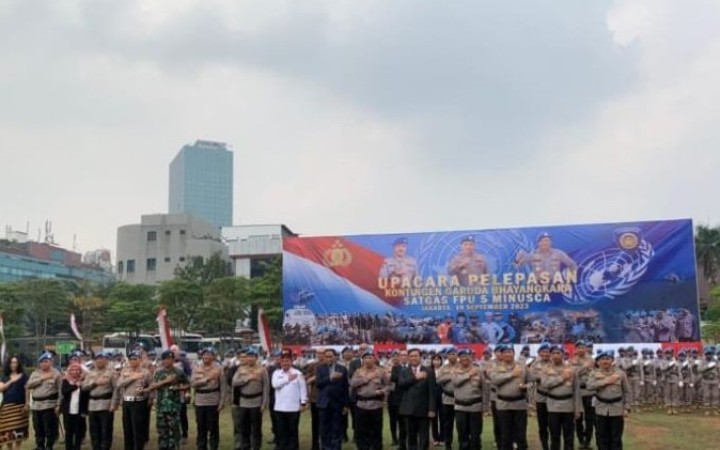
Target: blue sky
{"type": "Point", "coordinates": [365, 116]}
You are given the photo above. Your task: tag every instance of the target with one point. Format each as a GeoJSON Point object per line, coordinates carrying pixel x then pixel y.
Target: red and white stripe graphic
{"type": "Point", "coordinates": [74, 327]}
{"type": "Point", "coordinates": [166, 339]}
{"type": "Point", "coordinates": [264, 331]}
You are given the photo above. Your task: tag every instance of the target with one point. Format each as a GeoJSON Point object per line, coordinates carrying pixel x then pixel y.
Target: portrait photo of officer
{"type": "Point", "coordinates": [399, 264]}
{"type": "Point", "coordinates": [468, 262]}
{"type": "Point", "coordinates": [545, 258]}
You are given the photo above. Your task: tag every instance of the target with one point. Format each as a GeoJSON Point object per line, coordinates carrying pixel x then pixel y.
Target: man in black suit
{"type": "Point", "coordinates": [331, 380]}
{"type": "Point", "coordinates": [418, 403]}
{"type": "Point", "coordinates": [395, 400]}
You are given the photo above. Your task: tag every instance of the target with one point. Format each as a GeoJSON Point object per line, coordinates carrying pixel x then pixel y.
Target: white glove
{"type": "Point", "coordinates": [642, 383]}
{"type": "Point", "coordinates": [680, 384]}
{"type": "Point", "coordinates": [692, 384]}
{"type": "Point", "coordinates": [654, 383]}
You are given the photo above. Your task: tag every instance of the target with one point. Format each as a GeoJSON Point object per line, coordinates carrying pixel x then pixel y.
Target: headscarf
{"type": "Point", "coordinates": [71, 376]}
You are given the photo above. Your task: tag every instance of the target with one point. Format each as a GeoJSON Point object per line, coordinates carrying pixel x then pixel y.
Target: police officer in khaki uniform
{"type": "Point", "coordinates": [537, 369]}
{"type": "Point", "coordinates": [672, 381]}
{"type": "Point", "coordinates": [511, 380]}
{"type": "Point", "coordinates": [46, 384]}
{"type": "Point", "coordinates": [399, 265]}
{"type": "Point", "coordinates": [611, 401]}
{"type": "Point", "coordinates": [131, 384]}
{"type": "Point", "coordinates": [564, 403]}
{"type": "Point", "coordinates": [371, 384]}
{"type": "Point", "coordinates": [210, 392]}
{"type": "Point", "coordinates": [583, 364]}
{"type": "Point", "coordinates": [253, 384]}
{"type": "Point", "coordinates": [467, 380]}
{"type": "Point", "coordinates": [709, 373]}
{"type": "Point", "coordinates": [444, 378]}
{"type": "Point", "coordinates": [100, 381]}
{"type": "Point", "coordinates": [468, 265]}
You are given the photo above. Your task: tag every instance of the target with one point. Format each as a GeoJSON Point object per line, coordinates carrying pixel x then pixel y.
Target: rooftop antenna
{"type": "Point", "coordinates": [74, 247]}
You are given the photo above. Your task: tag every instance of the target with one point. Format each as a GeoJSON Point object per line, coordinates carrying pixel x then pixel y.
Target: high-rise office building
{"type": "Point", "coordinates": [201, 182]}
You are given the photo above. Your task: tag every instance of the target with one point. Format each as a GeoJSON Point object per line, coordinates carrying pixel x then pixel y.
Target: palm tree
{"type": "Point", "coordinates": [707, 251]}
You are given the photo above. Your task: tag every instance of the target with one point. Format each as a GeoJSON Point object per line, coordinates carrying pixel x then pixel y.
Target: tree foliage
{"type": "Point", "coordinates": [707, 252]}
{"type": "Point", "coordinates": [183, 300]}
{"type": "Point", "coordinates": [132, 307]}
{"type": "Point", "coordinates": [226, 301]}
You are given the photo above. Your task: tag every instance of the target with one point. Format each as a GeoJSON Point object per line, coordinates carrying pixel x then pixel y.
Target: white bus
{"type": "Point", "coordinates": [122, 342]}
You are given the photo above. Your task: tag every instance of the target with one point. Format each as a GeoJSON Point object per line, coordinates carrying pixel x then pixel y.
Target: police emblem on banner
{"type": "Point", "coordinates": [337, 255]}
{"type": "Point", "coordinates": [614, 271]}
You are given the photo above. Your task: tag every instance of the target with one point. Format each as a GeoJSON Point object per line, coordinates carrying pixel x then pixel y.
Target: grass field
{"type": "Point", "coordinates": [646, 431]}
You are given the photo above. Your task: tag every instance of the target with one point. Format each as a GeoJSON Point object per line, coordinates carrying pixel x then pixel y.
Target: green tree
{"type": "Point", "coordinates": [46, 305]}
{"type": "Point", "coordinates": [226, 301]}
{"type": "Point", "coordinates": [707, 251]}
{"type": "Point", "coordinates": [267, 294]}
{"type": "Point", "coordinates": [132, 308]}
{"type": "Point", "coordinates": [203, 271]}
{"type": "Point", "coordinates": [183, 299]}
{"type": "Point", "coordinates": [90, 303]}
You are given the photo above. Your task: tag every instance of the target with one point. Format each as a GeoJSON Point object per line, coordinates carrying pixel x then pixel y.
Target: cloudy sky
{"type": "Point", "coordinates": [362, 116]}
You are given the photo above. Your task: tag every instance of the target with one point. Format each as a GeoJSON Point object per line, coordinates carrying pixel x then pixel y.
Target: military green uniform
{"type": "Point", "coordinates": [168, 402]}
{"type": "Point", "coordinates": [709, 373]}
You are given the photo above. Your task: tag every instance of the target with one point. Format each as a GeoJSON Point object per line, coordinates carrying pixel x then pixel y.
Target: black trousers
{"type": "Point", "coordinates": [250, 428]}
{"type": "Point", "coordinates": [75, 428]}
{"type": "Point", "coordinates": [402, 433]}
{"type": "Point", "coordinates": [417, 433]}
{"type": "Point", "coordinates": [448, 422]}
{"type": "Point", "coordinates": [562, 424]}
{"type": "Point", "coordinates": [101, 429]}
{"type": "Point", "coordinates": [496, 423]}
{"type": "Point", "coordinates": [609, 432]}
{"type": "Point", "coordinates": [184, 424]}
{"type": "Point", "coordinates": [585, 424]}
{"type": "Point", "coordinates": [513, 428]}
{"type": "Point", "coordinates": [394, 421]}
{"type": "Point", "coordinates": [287, 428]}
{"type": "Point", "coordinates": [331, 422]}
{"type": "Point", "coordinates": [45, 423]}
{"type": "Point", "coordinates": [134, 420]}
{"type": "Point", "coordinates": [369, 428]}
{"type": "Point", "coordinates": [543, 424]}
{"type": "Point", "coordinates": [207, 419]}
{"type": "Point", "coordinates": [469, 429]}
{"type": "Point", "coordinates": [314, 426]}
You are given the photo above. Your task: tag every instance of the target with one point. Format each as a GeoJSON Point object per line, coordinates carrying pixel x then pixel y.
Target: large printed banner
{"type": "Point", "coordinates": [608, 283]}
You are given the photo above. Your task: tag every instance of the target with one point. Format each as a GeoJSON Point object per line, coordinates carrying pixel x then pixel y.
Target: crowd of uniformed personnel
{"type": "Point", "coordinates": [433, 398]}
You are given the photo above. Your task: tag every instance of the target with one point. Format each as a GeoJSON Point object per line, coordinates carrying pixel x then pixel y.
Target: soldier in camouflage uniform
{"type": "Point", "coordinates": [631, 365]}
{"type": "Point", "coordinates": [687, 382]}
{"type": "Point", "coordinates": [648, 379]}
{"type": "Point", "coordinates": [709, 373]}
{"type": "Point", "coordinates": [671, 381]}
{"type": "Point", "coordinates": [660, 388]}
{"type": "Point", "coordinates": [168, 383]}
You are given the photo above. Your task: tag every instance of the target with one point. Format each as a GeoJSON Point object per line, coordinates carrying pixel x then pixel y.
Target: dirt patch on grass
{"type": "Point", "coordinates": [647, 437]}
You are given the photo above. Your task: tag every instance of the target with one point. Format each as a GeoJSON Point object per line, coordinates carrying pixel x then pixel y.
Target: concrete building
{"type": "Point", "coordinates": [150, 251]}
{"type": "Point", "coordinates": [250, 245]}
{"type": "Point", "coordinates": [201, 182]}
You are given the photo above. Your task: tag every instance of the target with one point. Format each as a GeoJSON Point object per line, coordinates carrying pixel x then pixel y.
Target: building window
{"type": "Point", "coordinates": [182, 259]}
{"type": "Point", "coordinates": [152, 236]}
{"type": "Point", "coordinates": [167, 232]}
{"type": "Point", "coordinates": [120, 267]}
{"type": "Point", "coordinates": [182, 231]}
{"type": "Point", "coordinates": [151, 264]}
{"type": "Point", "coordinates": [130, 266]}
{"type": "Point", "coordinates": [167, 259]}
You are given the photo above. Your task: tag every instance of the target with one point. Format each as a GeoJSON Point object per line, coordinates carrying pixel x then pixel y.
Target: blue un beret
{"type": "Point", "coordinates": [465, 352]}
{"type": "Point", "coordinates": [45, 356]}
{"type": "Point", "coordinates": [400, 241]}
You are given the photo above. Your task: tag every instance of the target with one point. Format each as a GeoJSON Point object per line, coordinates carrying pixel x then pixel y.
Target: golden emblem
{"type": "Point", "coordinates": [629, 241]}
{"type": "Point", "coordinates": [337, 255]}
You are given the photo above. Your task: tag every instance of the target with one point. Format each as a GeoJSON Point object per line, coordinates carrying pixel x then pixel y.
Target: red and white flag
{"type": "Point", "coordinates": [74, 328]}
{"type": "Point", "coordinates": [2, 338]}
{"type": "Point", "coordinates": [264, 331]}
{"type": "Point", "coordinates": [164, 329]}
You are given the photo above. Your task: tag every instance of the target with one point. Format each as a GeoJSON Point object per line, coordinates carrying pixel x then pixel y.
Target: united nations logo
{"type": "Point", "coordinates": [337, 255]}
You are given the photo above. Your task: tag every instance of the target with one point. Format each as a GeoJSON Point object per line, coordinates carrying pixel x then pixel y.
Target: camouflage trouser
{"type": "Point", "coordinates": [649, 393]}
{"type": "Point", "coordinates": [711, 395]}
{"type": "Point", "coordinates": [671, 391]}
{"type": "Point", "coordinates": [687, 393]}
{"type": "Point", "coordinates": [168, 429]}
{"type": "Point", "coordinates": [635, 393]}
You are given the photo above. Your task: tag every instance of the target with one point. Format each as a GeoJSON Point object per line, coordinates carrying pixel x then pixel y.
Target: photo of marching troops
{"type": "Point", "coordinates": [440, 398]}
